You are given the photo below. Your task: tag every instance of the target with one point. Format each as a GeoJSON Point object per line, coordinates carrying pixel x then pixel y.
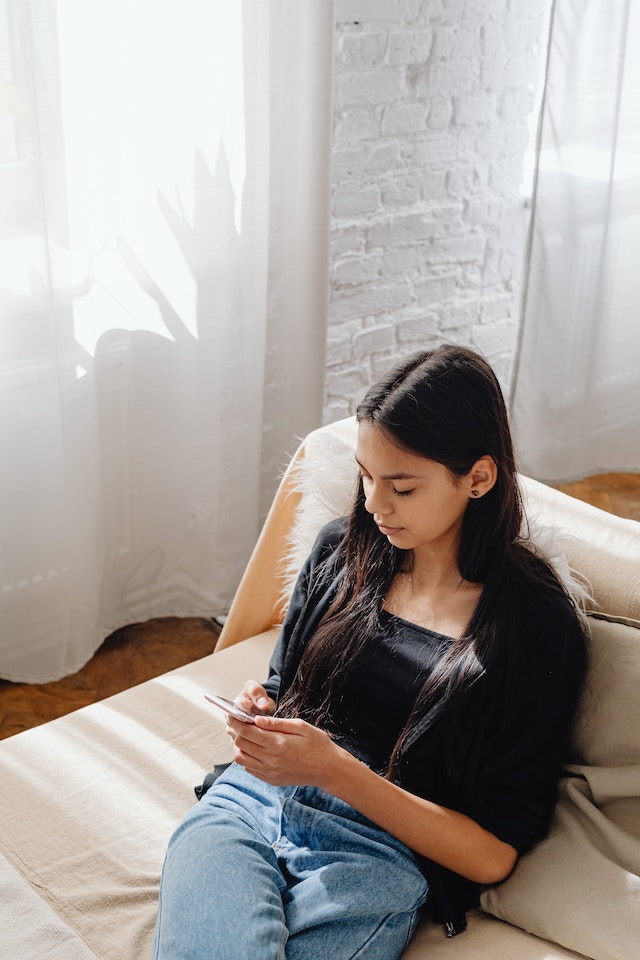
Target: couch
{"type": "Point", "coordinates": [88, 801]}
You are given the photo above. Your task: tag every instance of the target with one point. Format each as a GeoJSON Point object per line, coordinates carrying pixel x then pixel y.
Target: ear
{"type": "Point", "coordinates": [481, 478]}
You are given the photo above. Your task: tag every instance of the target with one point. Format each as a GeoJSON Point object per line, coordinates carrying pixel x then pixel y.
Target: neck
{"type": "Point", "coordinates": [433, 594]}
{"type": "Point", "coordinates": [435, 568]}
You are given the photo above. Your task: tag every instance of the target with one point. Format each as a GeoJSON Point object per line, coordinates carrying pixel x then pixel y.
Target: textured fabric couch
{"type": "Point", "coordinates": [88, 802]}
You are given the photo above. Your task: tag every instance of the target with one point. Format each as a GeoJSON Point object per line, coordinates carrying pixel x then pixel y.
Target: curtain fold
{"type": "Point", "coordinates": [138, 153]}
{"type": "Point", "coordinates": [576, 396]}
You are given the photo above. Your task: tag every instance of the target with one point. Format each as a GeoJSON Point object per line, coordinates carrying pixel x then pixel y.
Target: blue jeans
{"type": "Point", "coordinates": [257, 872]}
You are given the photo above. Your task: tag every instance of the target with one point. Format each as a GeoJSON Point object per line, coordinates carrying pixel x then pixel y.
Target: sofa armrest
{"type": "Point", "coordinates": [259, 602]}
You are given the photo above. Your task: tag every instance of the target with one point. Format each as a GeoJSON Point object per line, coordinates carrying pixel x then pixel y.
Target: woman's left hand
{"type": "Point", "coordinates": [284, 751]}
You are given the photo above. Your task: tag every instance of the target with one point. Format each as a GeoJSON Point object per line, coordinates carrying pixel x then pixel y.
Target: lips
{"type": "Point", "coordinates": [389, 531]}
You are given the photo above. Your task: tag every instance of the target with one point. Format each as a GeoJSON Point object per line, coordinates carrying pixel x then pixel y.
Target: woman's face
{"type": "Point", "coordinates": [417, 503]}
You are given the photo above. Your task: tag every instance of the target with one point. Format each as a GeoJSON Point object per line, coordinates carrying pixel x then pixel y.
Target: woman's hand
{"type": "Point", "coordinates": [283, 751]}
{"type": "Point", "coordinates": [254, 698]}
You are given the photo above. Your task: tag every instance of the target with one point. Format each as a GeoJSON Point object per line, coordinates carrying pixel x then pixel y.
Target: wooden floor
{"type": "Point", "coordinates": [129, 656]}
{"type": "Point", "coordinates": [617, 493]}
{"type": "Point", "coordinates": [142, 651]}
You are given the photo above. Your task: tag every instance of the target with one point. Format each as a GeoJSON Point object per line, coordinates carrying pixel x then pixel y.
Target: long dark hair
{"type": "Point", "coordinates": [446, 405]}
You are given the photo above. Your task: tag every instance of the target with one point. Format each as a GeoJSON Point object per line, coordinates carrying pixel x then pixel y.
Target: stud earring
{"type": "Point", "coordinates": [475, 493]}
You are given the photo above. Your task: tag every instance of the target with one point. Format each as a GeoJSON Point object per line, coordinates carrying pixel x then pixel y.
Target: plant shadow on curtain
{"type": "Point", "coordinates": [577, 382]}
{"type": "Point", "coordinates": [134, 284]}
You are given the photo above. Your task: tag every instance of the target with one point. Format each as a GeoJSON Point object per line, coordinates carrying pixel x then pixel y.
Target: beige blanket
{"type": "Point", "coordinates": [28, 926]}
{"type": "Point", "coordinates": [88, 803]}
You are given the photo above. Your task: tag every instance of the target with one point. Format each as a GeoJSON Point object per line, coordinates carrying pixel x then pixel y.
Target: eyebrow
{"type": "Point", "coordinates": [393, 476]}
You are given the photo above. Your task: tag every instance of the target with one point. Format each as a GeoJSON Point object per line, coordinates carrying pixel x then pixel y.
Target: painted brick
{"type": "Point", "coordinates": [506, 175]}
{"type": "Point", "coordinates": [338, 409]}
{"type": "Point", "coordinates": [442, 78]}
{"type": "Point", "coordinates": [444, 40]}
{"type": "Point", "coordinates": [492, 72]}
{"type": "Point", "coordinates": [449, 212]}
{"type": "Point", "coordinates": [499, 264]}
{"type": "Point", "coordinates": [401, 229]}
{"type": "Point", "coordinates": [419, 329]}
{"type": "Point", "coordinates": [360, 49]}
{"type": "Point", "coordinates": [375, 87]}
{"type": "Point", "coordinates": [356, 125]}
{"type": "Point", "coordinates": [491, 141]}
{"type": "Point", "coordinates": [380, 362]}
{"type": "Point", "coordinates": [517, 103]}
{"type": "Point", "coordinates": [409, 46]}
{"type": "Point", "coordinates": [466, 180]}
{"type": "Point", "coordinates": [524, 67]}
{"type": "Point", "coordinates": [459, 314]}
{"type": "Point", "coordinates": [491, 8]}
{"type": "Point", "coordinates": [478, 211]}
{"type": "Point", "coordinates": [398, 260]}
{"type": "Point", "coordinates": [520, 33]}
{"type": "Point", "coordinates": [434, 184]}
{"type": "Point", "coordinates": [475, 109]}
{"type": "Point", "coordinates": [494, 339]}
{"type": "Point", "coordinates": [345, 240]}
{"type": "Point", "coordinates": [440, 112]}
{"type": "Point", "coordinates": [492, 39]}
{"type": "Point", "coordinates": [383, 158]}
{"type": "Point", "coordinates": [347, 382]}
{"type": "Point", "coordinates": [371, 301]}
{"type": "Point", "coordinates": [339, 350]}
{"type": "Point", "coordinates": [373, 340]}
{"type": "Point", "coordinates": [402, 191]}
{"type": "Point", "coordinates": [456, 249]}
{"type": "Point", "coordinates": [426, 152]}
{"type": "Point", "coordinates": [347, 163]}
{"type": "Point", "coordinates": [340, 343]}
{"type": "Point", "coordinates": [438, 288]}
{"type": "Point", "coordinates": [498, 307]}
{"type": "Point", "coordinates": [431, 118]}
{"type": "Point", "coordinates": [400, 118]}
{"type": "Point", "coordinates": [350, 11]}
{"type": "Point", "coordinates": [467, 42]}
{"type": "Point", "coordinates": [357, 270]}
{"type": "Point", "coordinates": [348, 202]}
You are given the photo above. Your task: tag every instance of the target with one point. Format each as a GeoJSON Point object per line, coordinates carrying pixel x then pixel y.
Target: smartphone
{"type": "Point", "coordinates": [229, 707]}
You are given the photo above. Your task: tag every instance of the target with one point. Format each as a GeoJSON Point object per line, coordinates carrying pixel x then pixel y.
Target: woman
{"type": "Point", "coordinates": [417, 708]}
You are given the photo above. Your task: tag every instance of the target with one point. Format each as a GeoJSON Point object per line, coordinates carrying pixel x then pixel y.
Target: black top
{"type": "Point", "coordinates": [517, 765]}
{"type": "Point", "coordinates": [377, 698]}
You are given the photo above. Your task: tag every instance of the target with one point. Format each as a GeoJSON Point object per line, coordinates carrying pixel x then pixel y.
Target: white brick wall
{"type": "Point", "coordinates": [431, 108]}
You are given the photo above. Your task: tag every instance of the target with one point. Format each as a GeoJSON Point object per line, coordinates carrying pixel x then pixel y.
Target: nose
{"type": "Point", "coordinates": [376, 501]}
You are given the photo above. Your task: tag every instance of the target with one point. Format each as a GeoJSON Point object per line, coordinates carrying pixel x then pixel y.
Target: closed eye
{"type": "Point", "coordinates": [398, 493]}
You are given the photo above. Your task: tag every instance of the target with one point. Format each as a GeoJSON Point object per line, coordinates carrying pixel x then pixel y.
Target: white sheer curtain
{"type": "Point", "coordinates": [577, 383]}
{"type": "Point", "coordinates": [146, 397]}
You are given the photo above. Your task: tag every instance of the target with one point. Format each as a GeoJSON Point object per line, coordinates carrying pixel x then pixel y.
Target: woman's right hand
{"type": "Point", "coordinates": [254, 698]}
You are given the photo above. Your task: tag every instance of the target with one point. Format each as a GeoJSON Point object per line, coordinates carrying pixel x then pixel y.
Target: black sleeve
{"type": "Point", "coordinates": [518, 780]}
{"type": "Point", "coordinates": [311, 595]}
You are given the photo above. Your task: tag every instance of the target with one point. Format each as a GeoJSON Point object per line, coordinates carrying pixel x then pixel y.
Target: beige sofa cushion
{"type": "Point", "coordinates": [484, 939]}
{"type": "Point", "coordinates": [607, 728]}
{"type": "Point", "coordinates": [581, 886]}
